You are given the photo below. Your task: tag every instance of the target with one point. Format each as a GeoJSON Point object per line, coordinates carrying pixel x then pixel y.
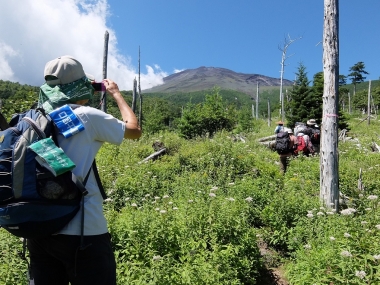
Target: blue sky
{"type": "Point", "coordinates": [173, 35]}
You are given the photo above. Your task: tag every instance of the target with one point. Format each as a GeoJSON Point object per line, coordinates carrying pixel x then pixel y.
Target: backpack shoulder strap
{"type": "Point", "coordinates": [98, 181]}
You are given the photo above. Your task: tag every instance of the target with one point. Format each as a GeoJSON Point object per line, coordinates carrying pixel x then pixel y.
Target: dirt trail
{"type": "Point", "coordinates": [273, 273]}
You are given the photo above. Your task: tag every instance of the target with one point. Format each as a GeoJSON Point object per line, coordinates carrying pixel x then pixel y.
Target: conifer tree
{"type": "Point", "coordinates": [356, 74]}
{"type": "Point", "coordinates": [298, 107]}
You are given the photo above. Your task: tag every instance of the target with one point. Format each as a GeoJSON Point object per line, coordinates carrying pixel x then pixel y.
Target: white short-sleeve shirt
{"type": "Point", "coordinates": [82, 149]}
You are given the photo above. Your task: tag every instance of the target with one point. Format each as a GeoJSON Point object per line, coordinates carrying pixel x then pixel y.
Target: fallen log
{"type": "Point", "coordinates": [154, 156]}
{"type": "Point", "coordinates": [270, 138]}
{"type": "Point", "coordinates": [375, 147]}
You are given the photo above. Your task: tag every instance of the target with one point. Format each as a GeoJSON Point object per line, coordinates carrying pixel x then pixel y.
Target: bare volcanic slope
{"type": "Point", "coordinates": [204, 78]}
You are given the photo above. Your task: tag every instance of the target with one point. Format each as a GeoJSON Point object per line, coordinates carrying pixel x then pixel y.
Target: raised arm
{"type": "Point", "coordinates": [132, 128]}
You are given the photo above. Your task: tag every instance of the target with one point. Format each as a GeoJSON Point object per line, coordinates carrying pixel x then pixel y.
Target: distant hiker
{"type": "Point", "coordinates": [279, 128]}
{"type": "Point", "coordinates": [315, 133]}
{"type": "Point", "coordinates": [304, 145]}
{"type": "Point", "coordinates": [60, 258]}
{"type": "Point", "coordinates": [288, 150]}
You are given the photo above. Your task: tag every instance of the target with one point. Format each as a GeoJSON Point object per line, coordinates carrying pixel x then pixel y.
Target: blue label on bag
{"type": "Point", "coordinates": [66, 121]}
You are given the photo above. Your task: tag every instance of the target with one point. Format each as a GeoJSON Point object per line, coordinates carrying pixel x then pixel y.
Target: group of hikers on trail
{"type": "Point", "coordinates": [305, 139]}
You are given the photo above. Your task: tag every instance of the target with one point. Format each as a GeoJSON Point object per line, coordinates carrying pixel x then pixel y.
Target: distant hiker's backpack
{"type": "Point", "coordinates": [316, 136]}
{"type": "Point", "coordinates": [299, 128]}
{"type": "Point", "coordinates": [33, 202]}
{"type": "Point", "coordinates": [282, 142]}
{"type": "Point", "coordinates": [301, 145]}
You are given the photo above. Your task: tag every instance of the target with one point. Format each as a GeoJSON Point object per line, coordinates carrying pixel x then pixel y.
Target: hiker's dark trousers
{"type": "Point", "coordinates": [57, 260]}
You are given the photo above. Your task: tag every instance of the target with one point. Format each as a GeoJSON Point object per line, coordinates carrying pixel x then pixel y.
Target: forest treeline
{"type": "Point", "coordinates": [206, 112]}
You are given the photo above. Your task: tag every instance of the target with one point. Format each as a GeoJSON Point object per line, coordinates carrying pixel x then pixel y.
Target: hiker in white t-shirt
{"type": "Point", "coordinates": [59, 259]}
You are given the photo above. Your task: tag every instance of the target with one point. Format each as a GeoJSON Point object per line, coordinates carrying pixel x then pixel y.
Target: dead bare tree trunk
{"type": "Point", "coordinates": [329, 170]}
{"type": "Point", "coordinates": [269, 114]}
{"type": "Point", "coordinates": [140, 96]}
{"type": "Point", "coordinates": [349, 103]}
{"type": "Point", "coordinates": [105, 56]}
{"type": "Point", "coordinates": [287, 43]}
{"type": "Point", "coordinates": [369, 103]}
{"type": "Point", "coordinates": [257, 101]}
{"type": "Point", "coordinates": [134, 96]}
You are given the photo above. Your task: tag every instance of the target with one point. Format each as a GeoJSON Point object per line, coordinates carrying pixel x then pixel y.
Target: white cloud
{"type": "Point", "coordinates": [178, 70]}
{"type": "Point", "coordinates": [34, 32]}
{"type": "Point", "coordinates": [5, 70]}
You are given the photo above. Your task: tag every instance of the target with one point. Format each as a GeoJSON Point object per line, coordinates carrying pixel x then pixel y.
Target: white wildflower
{"type": "Point", "coordinates": [190, 201]}
{"type": "Point", "coordinates": [199, 192]}
{"type": "Point", "coordinates": [175, 208]}
{"type": "Point", "coordinates": [372, 197]}
{"type": "Point", "coordinates": [143, 199]}
{"type": "Point", "coordinates": [330, 213]}
{"type": "Point", "coordinates": [157, 198]}
{"type": "Point", "coordinates": [165, 197]}
{"type": "Point", "coordinates": [126, 199]}
{"type": "Point", "coordinates": [310, 215]}
{"type": "Point", "coordinates": [361, 274]}
{"type": "Point", "coordinates": [157, 209]}
{"type": "Point", "coordinates": [108, 200]}
{"type": "Point", "coordinates": [147, 195]}
{"type": "Point", "coordinates": [231, 183]}
{"type": "Point", "coordinates": [133, 205]}
{"type": "Point", "coordinates": [347, 235]}
{"type": "Point", "coordinates": [310, 212]}
{"type": "Point", "coordinates": [361, 195]}
{"type": "Point", "coordinates": [214, 188]}
{"type": "Point", "coordinates": [376, 256]}
{"type": "Point", "coordinates": [364, 222]}
{"type": "Point", "coordinates": [320, 214]}
{"type": "Point", "coordinates": [170, 203]}
{"type": "Point", "coordinates": [348, 211]}
{"type": "Point", "coordinates": [154, 202]}
{"type": "Point", "coordinates": [212, 195]}
{"type": "Point", "coordinates": [307, 246]}
{"type": "Point", "coordinates": [332, 238]}
{"type": "Point", "coordinates": [231, 199]}
{"type": "Point", "coordinates": [368, 209]}
{"type": "Point", "coordinates": [163, 212]}
{"type": "Point", "coordinates": [156, 257]}
{"type": "Point", "coordinates": [249, 199]}
{"type": "Point", "coordinates": [322, 208]}
{"type": "Point", "coordinates": [346, 253]}
{"type": "Point", "coordinates": [377, 227]}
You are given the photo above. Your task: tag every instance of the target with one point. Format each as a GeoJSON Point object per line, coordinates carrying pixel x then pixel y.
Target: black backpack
{"type": "Point", "coordinates": [33, 202]}
{"type": "Point", "coordinates": [316, 136]}
{"type": "Point", "coordinates": [282, 143]}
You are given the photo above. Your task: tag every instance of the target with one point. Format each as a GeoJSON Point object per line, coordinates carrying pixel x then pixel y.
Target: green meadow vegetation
{"type": "Point", "coordinates": [196, 214]}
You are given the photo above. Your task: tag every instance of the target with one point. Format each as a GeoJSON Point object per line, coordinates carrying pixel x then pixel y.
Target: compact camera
{"type": "Point", "coordinates": [98, 86]}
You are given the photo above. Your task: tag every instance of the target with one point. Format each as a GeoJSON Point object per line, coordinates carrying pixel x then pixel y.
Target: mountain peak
{"type": "Point", "coordinates": [204, 78]}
